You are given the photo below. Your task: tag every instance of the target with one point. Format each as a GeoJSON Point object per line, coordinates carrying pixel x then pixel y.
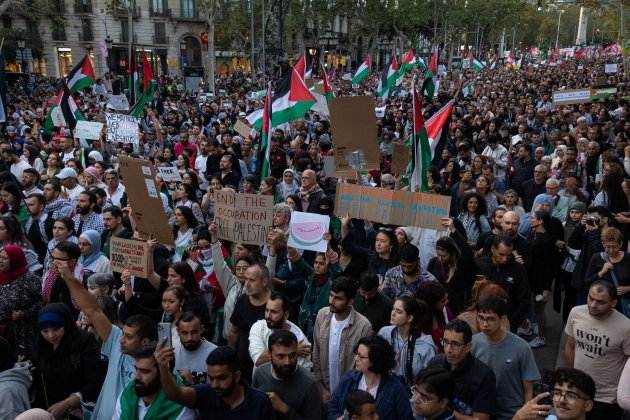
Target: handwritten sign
{"type": "Point", "coordinates": [402, 208]}
{"type": "Point", "coordinates": [88, 130]}
{"type": "Point", "coordinates": [128, 254]}
{"type": "Point", "coordinates": [242, 129]}
{"type": "Point", "coordinates": [400, 158]}
{"type": "Point", "coordinates": [571, 96]}
{"type": "Point", "coordinates": [243, 218]}
{"type": "Point", "coordinates": [169, 174]}
{"type": "Point", "coordinates": [610, 68]}
{"type": "Point", "coordinates": [306, 231]}
{"type": "Point", "coordinates": [121, 128]}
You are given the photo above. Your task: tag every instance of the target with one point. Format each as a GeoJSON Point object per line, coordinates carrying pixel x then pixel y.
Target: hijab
{"type": "Point", "coordinates": [17, 264]}
{"type": "Point", "coordinates": [291, 188]}
{"type": "Point", "coordinates": [94, 238]}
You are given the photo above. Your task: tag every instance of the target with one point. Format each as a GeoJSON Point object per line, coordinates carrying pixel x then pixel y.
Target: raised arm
{"type": "Point", "coordinates": [180, 394]}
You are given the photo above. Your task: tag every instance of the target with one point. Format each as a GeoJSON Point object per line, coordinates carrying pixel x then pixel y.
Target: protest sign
{"type": "Point", "coordinates": [121, 128]}
{"type": "Point", "coordinates": [306, 231]}
{"type": "Point", "coordinates": [145, 200]}
{"type": "Point", "coordinates": [400, 158]}
{"type": "Point", "coordinates": [169, 174]}
{"type": "Point", "coordinates": [401, 208]}
{"type": "Point", "coordinates": [353, 127]}
{"type": "Point", "coordinates": [132, 255]}
{"type": "Point", "coordinates": [571, 96]}
{"type": "Point", "coordinates": [118, 103]}
{"type": "Point", "coordinates": [242, 129]}
{"type": "Point", "coordinates": [88, 130]}
{"type": "Point", "coordinates": [610, 68]}
{"type": "Point", "coordinates": [243, 218]}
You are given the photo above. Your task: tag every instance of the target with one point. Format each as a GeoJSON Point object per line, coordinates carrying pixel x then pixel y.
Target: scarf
{"type": "Point", "coordinates": [17, 264]}
{"type": "Point", "coordinates": [48, 282]}
{"type": "Point", "coordinates": [94, 238]}
{"type": "Point", "coordinates": [160, 409]}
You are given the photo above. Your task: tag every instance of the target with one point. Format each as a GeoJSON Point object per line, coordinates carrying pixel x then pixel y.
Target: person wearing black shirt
{"type": "Point", "coordinates": [38, 228]}
{"type": "Point", "coordinates": [371, 303]}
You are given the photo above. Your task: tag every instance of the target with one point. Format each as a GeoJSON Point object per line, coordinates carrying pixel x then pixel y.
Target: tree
{"type": "Point", "coordinates": [209, 10]}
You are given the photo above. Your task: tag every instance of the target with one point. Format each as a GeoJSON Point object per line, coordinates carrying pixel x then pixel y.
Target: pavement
{"type": "Point", "coordinates": [550, 357]}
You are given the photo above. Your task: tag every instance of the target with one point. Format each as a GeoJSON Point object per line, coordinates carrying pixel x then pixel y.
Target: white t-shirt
{"type": "Point", "coordinates": [18, 168]}
{"type": "Point", "coordinates": [195, 361]}
{"type": "Point", "coordinates": [73, 194]}
{"type": "Point", "coordinates": [334, 340]}
{"type": "Point", "coordinates": [364, 387]}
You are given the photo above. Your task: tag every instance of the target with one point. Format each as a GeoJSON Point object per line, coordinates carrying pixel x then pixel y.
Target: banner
{"type": "Point", "coordinates": [571, 96]}
{"type": "Point", "coordinates": [88, 130]}
{"type": "Point", "coordinates": [306, 231]}
{"type": "Point", "coordinates": [402, 208]}
{"type": "Point", "coordinates": [243, 218]}
{"type": "Point", "coordinates": [169, 174]}
{"type": "Point", "coordinates": [121, 128]}
{"type": "Point", "coordinates": [610, 68]}
{"type": "Point", "coordinates": [132, 255]}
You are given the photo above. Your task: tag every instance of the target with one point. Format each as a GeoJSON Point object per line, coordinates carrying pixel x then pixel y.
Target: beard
{"type": "Point", "coordinates": [192, 346]}
{"type": "Point", "coordinates": [274, 325]}
{"type": "Point", "coordinates": [224, 392]}
{"type": "Point", "coordinates": [83, 210]}
{"type": "Point", "coordinates": [151, 388]}
{"type": "Point", "coordinates": [284, 372]}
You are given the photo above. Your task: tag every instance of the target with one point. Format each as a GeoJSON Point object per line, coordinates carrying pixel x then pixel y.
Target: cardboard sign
{"type": "Point", "coordinates": [400, 158]}
{"type": "Point", "coordinates": [402, 208]}
{"type": "Point", "coordinates": [353, 127]}
{"type": "Point", "coordinates": [306, 231]}
{"type": "Point", "coordinates": [132, 255]}
{"type": "Point", "coordinates": [145, 200]}
{"type": "Point", "coordinates": [88, 130]}
{"type": "Point", "coordinates": [571, 96]}
{"type": "Point", "coordinates": [242, 129]}
{"type": "Point", "coordinates": [122, 128]}
{"type": "Point", "coordinates": [243, 218]}
{"type": "Point", "coordinates": [169, 174]}
{"type": "Point", "coordinates": [610, 68]}
{"type": "Point", "coordinates": [118, 103]}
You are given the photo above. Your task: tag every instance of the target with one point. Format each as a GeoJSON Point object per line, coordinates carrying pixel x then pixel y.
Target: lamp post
{"type": "Point", "coordinates": [560, 12]}
{"type": "Point", "coordinates": [21, 44]}
{"type": "Point", "coordinates": [108, 43]}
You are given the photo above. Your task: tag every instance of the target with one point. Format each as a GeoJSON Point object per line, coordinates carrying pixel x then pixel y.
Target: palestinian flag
{"type": "Point", "coordinates": [64, 111]}
{"type": "Point", "coordinates": [408, 61]}
{"type": "Point", "coordinates": [300, 66]}
{"type": "Point", "coordinates": [148, 88]}
{"type": "Point", "coordinates": [291, 100]}
{"type": "Point", "coordinates": [363, 70]}
{"type": "Point", "coordinates": [428, 87]}
{"type": "Point", "coordinates": [433, 63]}
{"type": "Point", "coordinates": [328, 93]}
{"type": "Point", "coordinates": [476, 65]}
{"type": "Point", "coordinates": [132, 73]}
{"type": "Point", "coordinates": [81, 76]}
{"type": "Point", "coordinates": [468, 90]}
{"type": "Point", "coordinates": [265, 141]}
{"type": "Point", "coordinates": [437, 130]}
{"type": "Point", "coordinates": [388, 79]}
{"type": "Point", "coordinates": [420, 149]}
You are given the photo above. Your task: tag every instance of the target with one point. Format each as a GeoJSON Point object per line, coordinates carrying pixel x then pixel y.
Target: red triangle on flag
{"type": "Point", "coordinates": [300, 66]}
{"type": "Point", "coordinates": [299, 92]}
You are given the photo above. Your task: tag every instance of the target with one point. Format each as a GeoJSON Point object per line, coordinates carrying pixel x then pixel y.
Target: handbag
{"type": "Point", "coordinates": [624, 302]}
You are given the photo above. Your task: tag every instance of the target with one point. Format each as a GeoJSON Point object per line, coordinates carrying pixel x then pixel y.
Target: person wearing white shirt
{"type": "Point", "coordinates": [115, 189]}
{"type": "Point", "coordinates": [192, 350]}
{"type": "Point", "coordinates": [498, 154]}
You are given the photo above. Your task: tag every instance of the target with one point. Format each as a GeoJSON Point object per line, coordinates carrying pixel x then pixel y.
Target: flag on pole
{"type": "Point", "coordinates": [388, 79]}
{"type": "Point", "coordinates": [3, 89]}
{"type": "Point", "coordinates": [433, 63]}
{"type": "Point", "coordinates": [408, 61]}
{"type": "Point", "coordinates": [64, 111]}
{"type": "Point", "coordinates": [420, 149]}
{"type": "Point", "coordinates": [437, 130]}
{"type": "Point", "coordinates": [132, 72]}
{"type": "Point", "coordinates": [148, 88]}
{"type": "Point", "coordinates": [81, 76]}
{"type": "Point", "coordinates": [363, 70]}
{"type": "Point", "coordinates": [476, 65]}
{"type": "Point", "coordinates": [328, 93]}
{"type": "Point", "coordinates": [300, 66]}
{"type": "Point", "coordinates": [265, 141]}
{"type": "Point", "coordinates": [468, 90]}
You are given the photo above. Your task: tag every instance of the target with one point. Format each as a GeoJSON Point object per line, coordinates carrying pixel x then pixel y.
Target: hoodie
{"type": "Point", "coordinates": [14, 384]}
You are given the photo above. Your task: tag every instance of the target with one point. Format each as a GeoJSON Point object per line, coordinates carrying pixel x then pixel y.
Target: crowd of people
{"type": "Point", "coordinates": [391, 322]}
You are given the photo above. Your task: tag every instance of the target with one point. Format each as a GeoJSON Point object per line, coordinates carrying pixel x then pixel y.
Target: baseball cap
{"type": "Point", "coordinates": [67, 173]}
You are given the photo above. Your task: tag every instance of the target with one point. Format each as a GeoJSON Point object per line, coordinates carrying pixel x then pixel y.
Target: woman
{"type": "Point", "coordinates": [483, 187]}
{"type": "Point", "coordinates": [11, 233]}
{"type": "Point", "coordinates": [91, 259]}
{"type": "Point", "coordinates": [482, 288]}
{"type": "Point", "coordinates": [294, 202]}
{"type": "Point", "coordinates": [68, 362]}
{"type": "Point", "coordinates": [374, 359]}
{"type": "Point", "coordinates": [611, 194]}
{"type": "Point", "coordinates": [473, 216]}
{"type": "Point", "coordinates": [173, 300]}
{"type": "Point", "coordinates": [182, 164]}
{"type": "Point", "coordinates": [31, 154]}
{"type": "Point", "coordinates": [511, 203]}
{"type": "Point", "coordinates": [12, 197]}
{"type": "Point", "coordinates": [63, 230]}
{"type": "Point", "coordinates": [435, 296]}
{"type": "Point", "coordinates": [53, 166]}
{"type": "Point", "coordinates": [186, 195]}
{"type": "Point", "coordinates": [207, 203]}
{"type": "Point", "coordinates": [268, 187]}
{"type": "Point", "coordinates": [289, 184]}
{"type": "Point", "coordinates": [477, 166]}
{"type": "Point", "coordinates": [185, 223]}
{"type": "Point", "coordinates": [315, 155]}
{"type": "Point", "coordinates": [249, 184]}
{"type": "Point", "coordinates": [570, 257]}
{"type": "Point", "coordinates": [450, 174]}
{"type": "Point", "coordinates": [21, 300]}
{"type": "Point", "coordinates": [410, 337]}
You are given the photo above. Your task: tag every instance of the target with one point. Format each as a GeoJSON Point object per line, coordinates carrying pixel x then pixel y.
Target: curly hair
{"type": "Point", "coordinates": [380, 353]}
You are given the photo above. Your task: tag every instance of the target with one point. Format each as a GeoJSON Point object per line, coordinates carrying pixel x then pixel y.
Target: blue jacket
{"type": "Point", "coordinates": [392, 398]}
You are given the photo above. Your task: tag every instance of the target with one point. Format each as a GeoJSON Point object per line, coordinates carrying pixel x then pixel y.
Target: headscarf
{"type": "Point", "coordinates": [288, 189]}
{"type": "Point", "coordinates": [17, 264]}
{"type": "Point", "coordinates": [524, 227]}
{"type": "Point", "coordinates": [94, 238]}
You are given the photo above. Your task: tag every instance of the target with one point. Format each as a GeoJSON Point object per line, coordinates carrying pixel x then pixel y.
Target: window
{"type": "Point", "coordinates": [189, 9]}
{"type": "Point", "coordinates": [64, 57]}
{"type": "Point", "coordinates": [158, 7]}
{"type": "Point", "coordinates": [83, 6]}
{"type": "Point", "coordinates": [124, 31]}
{"type": "Point", "coordinates": [160, 33]}
{"type": "Point", "coordinates": [58, 32]}
{"type": "Point", "coordinates": [86, 30]}
{"type": "Point", "coordinates": [6, 22]}
{"type": "Point", "coordinates": [58, 6]}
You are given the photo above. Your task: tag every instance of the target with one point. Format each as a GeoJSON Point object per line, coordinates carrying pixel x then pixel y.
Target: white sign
{"type": "Point", "coordinates": [169, 174]}
{"type": "Point", "coordinates": [122, 128]}
{"type": "Point", "coordinates": [118, 103]}
{"type": "Point", "coordinates": [380, 111]}
{"type": "Point", "coordinates": [306, 231]}
{"type": "Point", "coordinates": [610, 68]}
{"type": "Point", "coordinates": [574, 96]}
{"type": "Point", "coordinates": [89, 130]}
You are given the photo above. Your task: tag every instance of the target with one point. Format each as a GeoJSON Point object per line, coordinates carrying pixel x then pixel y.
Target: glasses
{"type": "Point", "coordinates": [421, 397]}
{"type": "Point", "coordinates": [361, 357]}
{"type": "Point", "coordinates": [570, 396]}
{"type": "Point", "coordinates": [454, 344]}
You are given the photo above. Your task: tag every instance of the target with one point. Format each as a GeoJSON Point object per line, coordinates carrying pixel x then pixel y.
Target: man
{"type": "Point", "coordinates": [501, 268]}
{"type": "Point", "coordinates": [214, 158]}
{"type": "Point", "coordinates": [225, 397]}
{"type": "Point", "coordinates": [475, 389]}
{"type": "Point", "coordinates": [112, 221]}
{"type": "Point", "coordinates": [86, 218]}
{"type": "Point", "coordinates": [248, 309]}
{"type": "Point", "coordinates": [143, 397]}
{"type": "Point", "coordinates": [572, 190]}
{"type": "Point", "coordinates": [404, 279]}
{"type": "Point", "coordinates": [191, 354]}
{"type": "Point", "coordinates": [118, 344]}
{"type": "Point", "coordinates": [18, 165]}
{"type": "Point", "coordinates": [185, 144]}
{"type": "Point", "coordinates": [310, 192]}
{"type": "Point", "coordinates": [115, 190]}
{"type": "Point", "coordinates": [432, 395]}
{"type": "Point", "coordinates": [497, 156]}
{"type": "Point", "coordinates": [229, 178]}
{"type": "Point", "coordinates": [337, 331]}
{"type": "Point", "coordinates": [572, 396]}
{"type": "Point", "coordinates": [56, 206]}
{"type": "Point", "coordinates": [276, 319]}
{"type": "Point", "coordinates": [293, 392]}
{"type": "Point", "coordinates": [509, 356]}
{"type": "Point", "coordinates": [38, 227]}
{"type": "Point", "coordinates": [561, 204]}
{"type": "Point", "coordinates": [598, 343]}
{"type": "Point", "coordinates": [523, 167]}
{"type": "Point", "coordinates": [485, 239]}
{"type": "Point", "coordinates": [201, 162]}
{"type": "Point", "coordinates": [530, 188]}
{"type": "Point", "coordinates": [70, 183]}
{"type": "Point", "coordinates": [67, 147]}
{"type": "Point", "coordinates": [30, 181]}
{"type": "Point", "coordinates": [371, 303]}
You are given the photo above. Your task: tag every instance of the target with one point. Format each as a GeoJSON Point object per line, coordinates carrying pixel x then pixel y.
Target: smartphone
{"type": "Point", "coordinates": [164, 333]}
{"type": "Point", "coordinates": [541, 387]}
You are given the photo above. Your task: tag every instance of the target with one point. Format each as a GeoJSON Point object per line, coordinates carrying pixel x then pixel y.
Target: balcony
{"type": "Point", "coordinates": [59, 34]}
{"type": "Point", "coordinates": [124, 37]}
{"type": "Point", "coordinates": [165, 13]}
{"type": "Point", "coordinates": [122, 12]}
{"type": "Point", "coordinates": [191, 16]}
{"type": "Point", "coordinates": [86, 36]}
{"type": "Point", "coordinates": [160, 39]}
{"type": "Point", "coordinates": [83, 6]}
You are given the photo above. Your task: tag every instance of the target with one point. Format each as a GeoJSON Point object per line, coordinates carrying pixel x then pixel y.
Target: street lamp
{"type": "Point", "coordinates": [21, 44]}
{"type": "Point", "coordinates": [109, 43]}
{"type": "Point", "coordinates": [560, 12]}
